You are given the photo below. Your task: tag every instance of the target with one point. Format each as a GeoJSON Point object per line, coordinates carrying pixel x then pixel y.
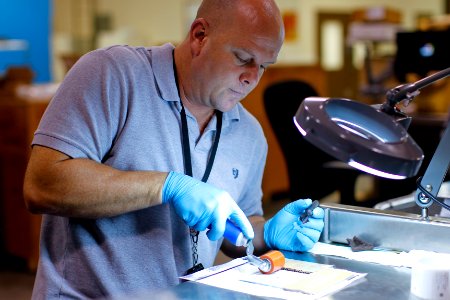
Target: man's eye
{"type": "Point", "coordinates": [242, 60]}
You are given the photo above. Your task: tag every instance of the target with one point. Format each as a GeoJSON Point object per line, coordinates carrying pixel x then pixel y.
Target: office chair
{"type": "Point", "coordinates": [307, 166]}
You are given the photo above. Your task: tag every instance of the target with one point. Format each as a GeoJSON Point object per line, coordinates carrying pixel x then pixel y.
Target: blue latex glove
{"type": "Point", "coordinates": [203, 206]}
{"type": "Point", "coordinates": [286, 232]}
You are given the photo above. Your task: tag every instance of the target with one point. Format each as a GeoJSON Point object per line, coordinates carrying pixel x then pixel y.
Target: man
{"type": "Point", "coordinates": [113, 157]}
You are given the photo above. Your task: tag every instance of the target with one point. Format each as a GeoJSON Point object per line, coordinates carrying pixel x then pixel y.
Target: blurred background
{"type": "Point", "coordinates": [348, 49]}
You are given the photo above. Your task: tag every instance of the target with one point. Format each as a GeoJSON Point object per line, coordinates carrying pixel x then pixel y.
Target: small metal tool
{"type": "Point", "coordinates": [304, 217]}
{"type": "Point", "coordinates": [263, 265]}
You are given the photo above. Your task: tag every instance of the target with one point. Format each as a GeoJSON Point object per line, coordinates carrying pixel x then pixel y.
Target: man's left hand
{"type": "Point", "coordinates": [285, 231]}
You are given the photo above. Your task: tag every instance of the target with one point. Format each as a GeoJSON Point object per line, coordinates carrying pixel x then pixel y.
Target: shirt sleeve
{"type": "Point", "coordinates": [83, 118]}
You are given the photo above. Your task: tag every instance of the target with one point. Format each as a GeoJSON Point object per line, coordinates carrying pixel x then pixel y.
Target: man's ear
{"type": "Point", "coordinates": [198, 35]}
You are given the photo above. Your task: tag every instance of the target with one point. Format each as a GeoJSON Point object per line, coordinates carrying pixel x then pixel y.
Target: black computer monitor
{"type": "Point", "coordinates": [421, 52]}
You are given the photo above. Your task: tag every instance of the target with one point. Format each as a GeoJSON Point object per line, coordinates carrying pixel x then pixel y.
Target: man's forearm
{"type": "Point", "coordinates": [258, 242]}
{"type": "Point", "coordinates": [59, 185]}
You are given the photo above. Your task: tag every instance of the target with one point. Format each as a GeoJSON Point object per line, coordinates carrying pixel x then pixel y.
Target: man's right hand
{"type": "Point", "coordinates": [201, 205]}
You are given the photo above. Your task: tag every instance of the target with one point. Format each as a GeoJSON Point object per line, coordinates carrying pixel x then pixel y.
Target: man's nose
{"type": "Point", "coordinates": [251, 75]}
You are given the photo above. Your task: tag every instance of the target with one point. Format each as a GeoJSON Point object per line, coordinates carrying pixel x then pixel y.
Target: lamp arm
{"type": "Point", "coordinates": [430, 183]}
{"type": "Point", "coordinates": [409, 90]}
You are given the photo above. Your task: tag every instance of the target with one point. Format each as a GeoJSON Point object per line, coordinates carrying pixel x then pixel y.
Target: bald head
{"type": "Point", "coordinates": [221, 14]}
{"type": "Point", "coordinates": [224, 55]}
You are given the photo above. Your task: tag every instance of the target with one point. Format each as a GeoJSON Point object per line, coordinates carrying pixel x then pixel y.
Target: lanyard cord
{"type": "Point", "coordinates": [188, 171]}
{"type": "Point", "coordinates": [186, 147]}
{"type": "Point", "coordinates": [185, 135]}
{"type": "Point", "coordinates": [188, 164]}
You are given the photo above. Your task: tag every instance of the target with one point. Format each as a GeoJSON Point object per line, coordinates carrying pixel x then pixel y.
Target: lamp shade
{"type": "Point", "coordinates": [359, 135]}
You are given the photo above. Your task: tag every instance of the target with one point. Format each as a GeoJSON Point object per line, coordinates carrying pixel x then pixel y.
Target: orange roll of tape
{"type": "Point", "coordinates": [276, 260]}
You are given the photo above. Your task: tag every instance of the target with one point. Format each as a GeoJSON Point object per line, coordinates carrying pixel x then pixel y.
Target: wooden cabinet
{"type": "Point", "coordinates": [19, 119]}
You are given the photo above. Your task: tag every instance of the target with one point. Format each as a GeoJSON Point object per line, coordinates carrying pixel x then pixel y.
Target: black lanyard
{"type": "Point", "coordinates": [188, 164]}
{"type": "Point", "coordinates": [188, 171]}
{"type": "Point", "coordinates": [186, 146]}
{"type": "Point", "coordinates": [185, 137]}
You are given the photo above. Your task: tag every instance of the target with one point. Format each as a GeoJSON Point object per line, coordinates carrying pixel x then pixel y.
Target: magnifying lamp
{"type": "Point", "coordinates": [374, 139]}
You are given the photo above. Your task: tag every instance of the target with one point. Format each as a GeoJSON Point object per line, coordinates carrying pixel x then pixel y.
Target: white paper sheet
{"type": "Point", "coordinates": [309, 281]}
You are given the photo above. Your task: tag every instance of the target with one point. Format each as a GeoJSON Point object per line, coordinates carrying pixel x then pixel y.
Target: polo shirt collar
{"type": "Point", "coordinates": [162, 64]}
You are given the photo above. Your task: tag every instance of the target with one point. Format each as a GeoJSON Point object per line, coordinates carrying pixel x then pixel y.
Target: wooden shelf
{"type": "Point", "coordinates": [19, 119]}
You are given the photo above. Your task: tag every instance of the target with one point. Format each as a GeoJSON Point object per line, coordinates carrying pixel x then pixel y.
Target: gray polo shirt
{"type": "Point", "coordinates": [119, 106]}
